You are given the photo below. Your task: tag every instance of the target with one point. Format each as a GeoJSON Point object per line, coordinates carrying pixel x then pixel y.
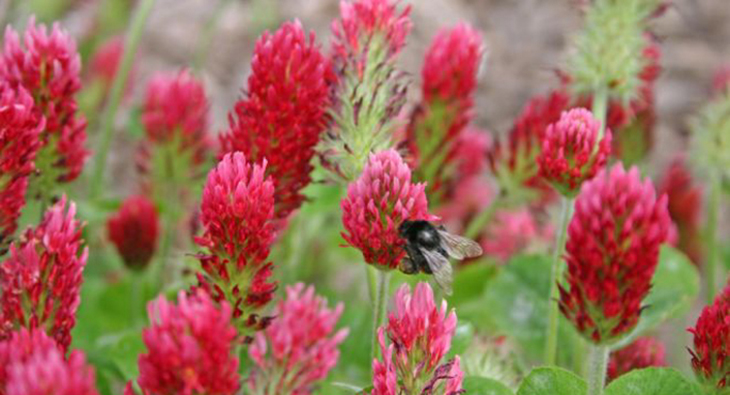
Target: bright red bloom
{"type": "Point", "coordinates": [48, 68]}
{"type": "Point", "coordinates": [134, 230]}
{"type": "Point", "coordinates": [685, 207]}
{"type": "Point", "coordinates": [189, 348]}
{"type": "Point", "coordinates": [303, 347]}
{"type": "Point", "coordinates": [237, 211]}
{"type": "Point", "coordinates": [711, 345]}
{"type": "Point", "coordinates": [41, 279]}
{"type": "Point", "coordinates": [285, 112]}
{"type": "Point", "coordinates": [175, 111]}
{"type": "Point", "coordinates": [32, 364]}
{"type": "Point", "coordinates": [571, 152]}
{"type": "Point", "coordinates": [420, 333]}
{"type": "Point", "coordinates": [644, 352]}
{"type": "Point", "coordinates": [20, 127]}
{"type": "Point", "coordinates": [369, 25]}
{"type": "Point", "coordinates": [612, 252]}
{"type": "Point", "coordinates": [449, 81]}
{"type": "Point", "coordinates": [515, 160]}
{"type": "Point", "coordinates": [375, 206]}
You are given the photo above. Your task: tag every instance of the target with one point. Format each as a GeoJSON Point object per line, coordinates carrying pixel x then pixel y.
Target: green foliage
{"type": "Point", "coordinates": [484, 386]}
{"type": "Point", "coordinates": [608, 55]}
{"type": "Point", "coordinates": [552, 381]}
{"type": "Point", "coordinates": [652, 381]}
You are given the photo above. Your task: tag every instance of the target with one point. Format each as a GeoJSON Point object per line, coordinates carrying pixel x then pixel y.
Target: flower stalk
{"type": "Point", "coordinates": [380, 302]}
{"type": "Point", "coordinates": [711, 266]}
{"type": "Point", "coordinates": [597, 367]}
{"type": "Point", "coordinates": [136, 28]}
{"type": "Point", "coordinates": [551, 344]}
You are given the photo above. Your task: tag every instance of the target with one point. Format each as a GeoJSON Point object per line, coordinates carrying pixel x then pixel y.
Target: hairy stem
{"type": "Point", "coordinates": [379, 306]}
{"type": "Point", "coordinates": [551, 342]}
{"type": "Point", "coordinates": [600, 108]}
{"type": "Point", "coordinates": [597, 365]}
{"type": "Point", "coordinates": [134, 35]}
{"type": "Point", "coordinates": [713, 205]}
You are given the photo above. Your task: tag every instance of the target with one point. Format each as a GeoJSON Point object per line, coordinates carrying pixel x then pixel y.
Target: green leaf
{"type": "Point", "coordinates": [675, 286]}
{"type": "Point", "coordinates": [518, 305]}
{"type": "Point", "coordinates": [552, 381]}
{"type": "Point", "coordinates": [652, 381]}
{"type": "Point", "coordinates": [475, 385]}
{"type": "Point", "coordinates": [470, 282]}
{"type": "Point", "coordinates": [461, 340]}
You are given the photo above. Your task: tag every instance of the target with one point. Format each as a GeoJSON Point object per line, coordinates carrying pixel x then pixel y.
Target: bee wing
{"type": "Point", "coordinates": [459, 247]}
{"type": "Point", "coordinates": [441, 268]}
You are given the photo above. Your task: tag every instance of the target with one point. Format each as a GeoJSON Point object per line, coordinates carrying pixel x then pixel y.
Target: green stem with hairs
{"type": "Point", "coordinates": [600, 108]}
{"type": "Point", "coordinates": [711, 266]}
{"type": "Point", "coordinates": [597, 365]}
{"type": "Point", "coordinates": [551, 340]}
{"type": "Point", "coordinates": [134, 35]}
{"type": "Point", "coordinates": [379, 305]}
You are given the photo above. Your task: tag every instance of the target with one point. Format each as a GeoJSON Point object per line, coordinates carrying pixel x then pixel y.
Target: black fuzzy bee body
{"type": "Point", "coordinates": [429, 248]}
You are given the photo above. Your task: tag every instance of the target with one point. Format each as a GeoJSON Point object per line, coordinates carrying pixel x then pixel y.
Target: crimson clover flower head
{"type": "Point", "coordinates": [449, 78]}
{"type": "Point", "coordinates": [420, 335]}
{"type": "Point", "coordinates": [41, 279]}
{"type": "Point", "coordinates": [644, 352]}
{"type": "Point", "coordinates": [31, 363]}
{"type": "Point", "coordinates": [612, 253]}
{"type": "Point", "coordinates": [20, 127]}
{"type": "Point", "coordinates": [513, 161]}
{"type": "Point", "coordinates": [299, 347]}
{"type": "Point", "coordinates": [711, 343]}
{"type": "Point", "coordinates": [285, 111]}
{"type": "Point", "coordinates": [571, 151]}
{"type": "Point", "coordinates": [684, 197]}
{"type": "Point", "coordinates": [189, 347]}
{"type": "Point", "coordinates": [175, 111]}
{"type": "Point", "coordinates": [48, 67]}
{"type": "Point", "coordinates": [105, 62]}
{"type": "Point", "coordinates": [375, 206]}
{"type": "Point", "coordinates": [134, 230]}
{"type": "Point", "coordinates": [236, 211]}
{"type": "Point", "coordinates": [365, 24]}
{"type": "Point", "coordinates": [512, 232]}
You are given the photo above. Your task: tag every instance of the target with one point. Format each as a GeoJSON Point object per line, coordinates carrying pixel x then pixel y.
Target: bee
{"type": "Point", "coordinates": [429, 248]}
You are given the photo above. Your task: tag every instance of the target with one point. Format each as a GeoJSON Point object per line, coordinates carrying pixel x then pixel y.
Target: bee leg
{"type": "Point", "coordinates": [407, 266]}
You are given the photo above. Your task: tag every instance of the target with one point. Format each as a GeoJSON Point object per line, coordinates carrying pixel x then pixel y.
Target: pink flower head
{"type": "Point", "coordinates": [236, 211]}
{"type": "Point", "coordinates": [511, 232]}
{"type": "Point", "coordinates": [571, 150]}
{"type": "Point", "coordinates": [175, 111]}
{"type": "Point", "coordinates": [299, 348]}
{"type": "Point", "coordinates": [20, 127]}
{"type": "Point", "coordinates": [134, 230]}
{"type": "Point", "coordinates": [106, 60]}
{"type": "Point", "coordinates": [644, 352]}
{"type": "Point", "coordinates": [449, 81]}
{"type": "Point", "coordinates": [515, 158]}
{"type": "Point", "coordinates": [41, 279]}
{"type": "Point", "coordinates": [711, 344]}
{"type": "Point", "coordinates": [285, 112]}
{"type": "Point", "coordinates": [369, 25]}
{"type": "Point", "coordinates": [420, 335]}
{"type": "Point", "coordinates": [189, 348]}
{"type": "Point", "coordinates": [48, 67]}
{"type": "Point", "coordinates": [612, 252]}
{"type": "Point", "coordinates": [32, 364]}
{"type": "Point", "coordinates": [375, 206]}
{"type": "Point", "coordinates": [685, 207]}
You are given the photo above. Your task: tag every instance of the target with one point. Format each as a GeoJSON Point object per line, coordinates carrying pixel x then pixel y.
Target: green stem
{"type": "Point", "coordinates": [136, 29]}
{"type": "Point", "coordinates": [600, 107]}
{"type": "Point", "coordinates": [711, 268]}
{"type": "Point", "coordinates": [477, 225]}
{"type": "Point", "coordinates": [379, 306]}
{"type": "Point", "coordinates": [551, 343]}
{"type": "Point", "coordinates": [597, 365]}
